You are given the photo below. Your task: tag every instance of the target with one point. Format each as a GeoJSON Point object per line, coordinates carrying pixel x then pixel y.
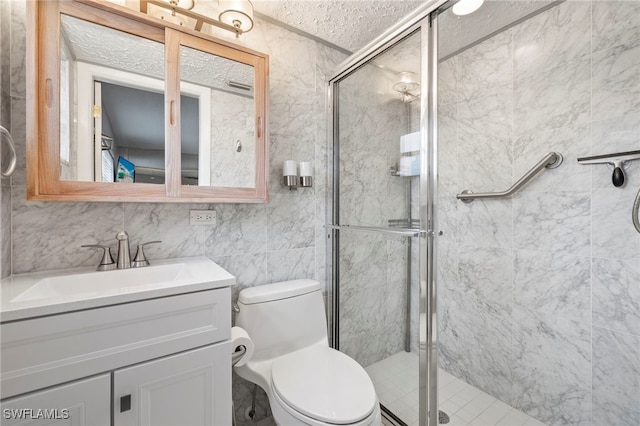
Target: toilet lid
{"type": "Point", "coordinates": [324, 384]}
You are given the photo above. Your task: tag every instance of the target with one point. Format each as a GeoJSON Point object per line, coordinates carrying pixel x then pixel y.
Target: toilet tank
{"type": "Point", "coordinates": [283, 317]}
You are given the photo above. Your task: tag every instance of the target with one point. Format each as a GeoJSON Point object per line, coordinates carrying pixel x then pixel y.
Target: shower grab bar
{"type": "Point", "coordinates": [5, 135]}
{"type": "Point", "coordinates": [549, 161]}
{"type": "Point", "coordinates": [407, 232]}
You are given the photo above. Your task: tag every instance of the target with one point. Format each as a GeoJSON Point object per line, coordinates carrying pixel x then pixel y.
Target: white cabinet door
{"type": "Point", "coordinates": [188, 389]}
{"type": "Point", "coordinates": [85, 402]}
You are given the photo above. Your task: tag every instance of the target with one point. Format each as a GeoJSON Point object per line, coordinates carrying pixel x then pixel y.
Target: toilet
{"type": "Point", "coordinates": [307, 382]}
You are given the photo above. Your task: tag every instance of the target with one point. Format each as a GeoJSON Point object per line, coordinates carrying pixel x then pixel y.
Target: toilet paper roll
{"type": "Point", "coordinates": [240, 337]}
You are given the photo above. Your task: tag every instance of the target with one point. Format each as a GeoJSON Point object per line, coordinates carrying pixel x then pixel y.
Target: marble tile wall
{"type": "Point", "coordinates": [281, 240]}
{"type": "Point", "coordinates": [232, 121]}
{"type": "Point", "coordinates": [5, 121]}
{"type": "Point", "coordinates": [539, 296]}
{"type": "Point", "coordinates": [373, 299]}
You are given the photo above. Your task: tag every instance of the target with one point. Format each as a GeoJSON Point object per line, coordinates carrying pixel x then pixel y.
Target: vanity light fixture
{"type": "Point", "coordinates": [290, 174]}
{"type": "Point", "coordinates": [297, 174]}
{"type": "Point", "coordinates": [234, 15]}
{"type": "Point", "coordinates": [465, 7]}
{"type": "Point", "coordinates": [306, 174]}
{"type": "Point", "coordinates": [184, 4]}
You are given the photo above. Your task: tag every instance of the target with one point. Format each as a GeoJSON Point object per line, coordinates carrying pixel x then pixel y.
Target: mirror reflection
{"type": "Point", "coordinates": [111, 105]}
{"type": "Point", "coordinates": [227, 158]}
{"type": "Point", "coordinates": [112, 111]}
{"type": "Point", "coordinates": [132, 129]}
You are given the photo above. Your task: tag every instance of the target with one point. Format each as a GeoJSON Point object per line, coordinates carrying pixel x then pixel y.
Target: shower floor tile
{"type": "Point", "coordinates": [396, 382]}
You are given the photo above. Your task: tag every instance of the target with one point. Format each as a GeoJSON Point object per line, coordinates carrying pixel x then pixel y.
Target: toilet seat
{"type": "Point", "coordinates": [325, 385]}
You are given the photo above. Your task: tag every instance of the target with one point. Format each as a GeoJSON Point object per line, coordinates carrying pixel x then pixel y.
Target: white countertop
{"type": "Point", "coordinates": [201, 273]}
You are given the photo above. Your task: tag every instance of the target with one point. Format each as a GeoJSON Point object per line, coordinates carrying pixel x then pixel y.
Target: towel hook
{"type": "Point", "coordinates": [5, 135]}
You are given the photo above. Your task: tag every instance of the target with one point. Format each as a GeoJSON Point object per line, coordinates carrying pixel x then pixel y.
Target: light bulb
{"type": "Point", "coordinates": [465, 7]}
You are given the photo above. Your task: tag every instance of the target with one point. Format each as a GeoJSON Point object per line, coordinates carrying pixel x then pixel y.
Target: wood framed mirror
{"type": "Point", "coordinates": [126, 107]}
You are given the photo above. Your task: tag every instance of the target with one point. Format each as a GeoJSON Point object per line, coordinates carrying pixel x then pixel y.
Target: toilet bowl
{"type": "Point", "coordinates": [306, 381]}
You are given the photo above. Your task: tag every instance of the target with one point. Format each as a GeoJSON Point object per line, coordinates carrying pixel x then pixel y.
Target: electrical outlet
{"type": "Point", "coordinates": [202, 217]}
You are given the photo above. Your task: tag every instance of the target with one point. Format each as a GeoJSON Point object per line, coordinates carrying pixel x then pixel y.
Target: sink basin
{"type": "Point", "coordinates": [94, 282]}
{"type": "Point", "coordinates": [53, 292]}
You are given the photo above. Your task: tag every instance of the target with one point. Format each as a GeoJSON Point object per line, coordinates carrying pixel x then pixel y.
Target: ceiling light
{"type": "Point", "coordinates": [465, 7]}
{"type": "Point", "coordinates": [406, 84]}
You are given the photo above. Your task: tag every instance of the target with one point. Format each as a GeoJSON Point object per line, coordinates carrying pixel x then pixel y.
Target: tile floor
{"type": "Point", "coordinates": [396, 382]}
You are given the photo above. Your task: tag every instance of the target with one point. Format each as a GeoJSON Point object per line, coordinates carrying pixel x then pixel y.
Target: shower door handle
{"type": "Point", "coordinates": [392, 231]}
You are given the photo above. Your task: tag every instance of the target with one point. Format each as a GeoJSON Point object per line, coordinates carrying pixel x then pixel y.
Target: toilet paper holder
{"type": "Point", "coordinates": [242, 347]}
{"type": "Point", "coordinates": [239, 353]}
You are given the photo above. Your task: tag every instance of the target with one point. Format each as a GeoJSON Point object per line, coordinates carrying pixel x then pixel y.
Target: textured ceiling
{"type": "Point", "coordinates": [350, 24]}
{"type": "Point", "coordinates": [87, 42]}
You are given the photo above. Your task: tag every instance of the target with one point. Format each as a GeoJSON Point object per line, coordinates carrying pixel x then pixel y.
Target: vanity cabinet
{"type": "Point", "coordinates": [128, 107]}
{"type": "Point", "coordinates": [81, 403]}
{"type": "Point", "coordinates": [183, 389]}
{"type": "Point", "coordinates": [152, 362]}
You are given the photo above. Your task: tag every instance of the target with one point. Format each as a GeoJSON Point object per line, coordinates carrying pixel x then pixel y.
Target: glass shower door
{"type": "Point", "coordinates": [377, 233]}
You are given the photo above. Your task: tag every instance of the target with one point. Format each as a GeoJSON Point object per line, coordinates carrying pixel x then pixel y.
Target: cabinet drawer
{"type": "Point", "coordinates": [45, 351]}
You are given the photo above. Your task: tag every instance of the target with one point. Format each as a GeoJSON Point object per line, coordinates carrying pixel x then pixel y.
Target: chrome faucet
{"type": "Point", "coordinates": [124, 256]}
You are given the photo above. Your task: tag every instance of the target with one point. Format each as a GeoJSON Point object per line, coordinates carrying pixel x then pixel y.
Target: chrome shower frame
{"type": "Point", "coordinates": [423, 19]}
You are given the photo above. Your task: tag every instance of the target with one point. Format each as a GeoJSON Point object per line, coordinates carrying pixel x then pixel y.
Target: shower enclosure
{"type": "Point", "coordinates": [522, 308]}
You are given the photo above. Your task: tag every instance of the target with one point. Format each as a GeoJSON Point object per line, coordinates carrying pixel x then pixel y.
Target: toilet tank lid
{"type": "Point", "coordinates": [277, 291]}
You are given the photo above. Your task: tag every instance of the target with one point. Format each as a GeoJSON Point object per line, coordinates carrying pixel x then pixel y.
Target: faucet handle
{"type": "Point", "coordinates": [140, 260]}
{"type": "Point", "coordinates": [106, 263]}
